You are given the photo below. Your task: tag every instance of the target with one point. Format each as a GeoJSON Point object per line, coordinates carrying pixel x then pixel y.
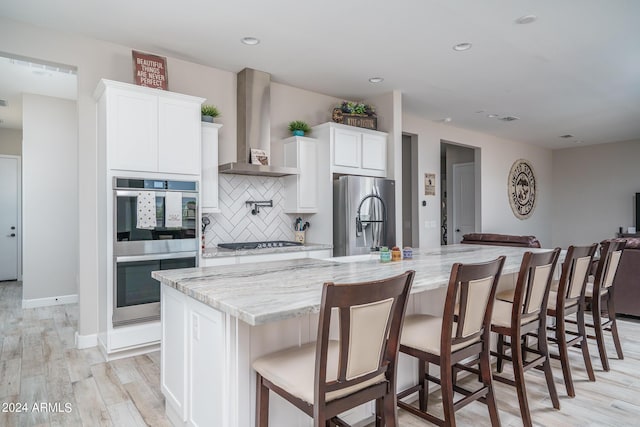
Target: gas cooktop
{"type": "Point", "coordinates": [258, 245]}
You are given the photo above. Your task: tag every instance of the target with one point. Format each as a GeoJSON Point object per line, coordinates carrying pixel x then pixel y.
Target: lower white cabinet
{"type": "Point", "coordinates": [193, 365]}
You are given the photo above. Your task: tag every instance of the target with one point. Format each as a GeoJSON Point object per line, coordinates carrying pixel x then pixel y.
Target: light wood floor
{"type": "Point", "coordinates": [38, 363]}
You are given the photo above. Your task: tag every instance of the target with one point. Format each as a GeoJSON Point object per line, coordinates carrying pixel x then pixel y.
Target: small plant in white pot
{"type": "Point", "coordinates": [209, 112]}
{"type": "Point", "coordinates": [299, 128]}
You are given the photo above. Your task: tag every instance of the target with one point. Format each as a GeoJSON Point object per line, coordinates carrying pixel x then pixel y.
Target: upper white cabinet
{"type": "Point", "coordinates": [149, 130]}
{"type": "Point", "coordinates": [209, 183]}
{"type": "Point", "coordinates": [354, 151]}
{"type": "Point", "coordinates": [301, 191]}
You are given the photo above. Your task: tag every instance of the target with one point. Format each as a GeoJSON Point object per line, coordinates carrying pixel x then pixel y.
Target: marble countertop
{"type": "Point", "coordinates": [266, 292]}
{"type": "Point", "coordinates": [221, 252]}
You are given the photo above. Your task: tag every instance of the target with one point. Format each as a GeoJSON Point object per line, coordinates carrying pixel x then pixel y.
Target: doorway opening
{"type": "Point", "coordinates": [410, 194]}
{"type": "Point", "coordinates": [460, 191]}
{"type": "Point", "coordinates": [25, 83]}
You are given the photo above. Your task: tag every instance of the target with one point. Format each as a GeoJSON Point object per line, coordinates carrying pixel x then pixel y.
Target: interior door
{"type": "Point", "coordinates": [464, 200]}
{"type": "Point", "coordinates": [9, 218]}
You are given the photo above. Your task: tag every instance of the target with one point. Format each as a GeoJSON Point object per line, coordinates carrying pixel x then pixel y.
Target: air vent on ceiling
{"type": "Point", "coordinates": [3, 103]}
{"type": "Point", "coordinates": [567, 136]}
{"type": "Point", "coordinates": [509, 118]}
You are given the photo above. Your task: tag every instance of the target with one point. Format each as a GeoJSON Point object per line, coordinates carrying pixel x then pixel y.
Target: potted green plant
{"type": "Point", "coordinates": [209, 112]}
{"type": "Point", "coordinates": [299, 128]}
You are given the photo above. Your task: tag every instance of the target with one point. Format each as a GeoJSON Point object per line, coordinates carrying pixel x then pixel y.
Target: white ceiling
{"type": "Point", "coordinates": [576, 70]}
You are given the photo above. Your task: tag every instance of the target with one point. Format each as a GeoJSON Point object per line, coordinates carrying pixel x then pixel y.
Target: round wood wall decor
{"type": "Point", "coordinates": [522, 189]}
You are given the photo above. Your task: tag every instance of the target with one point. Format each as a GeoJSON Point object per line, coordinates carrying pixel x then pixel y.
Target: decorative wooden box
{"type": "Point", "coordinates": [359, 120]}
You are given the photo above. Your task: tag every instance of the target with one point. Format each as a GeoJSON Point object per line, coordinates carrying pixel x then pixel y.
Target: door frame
{"type": "Point", "coordinates": [19, 201]}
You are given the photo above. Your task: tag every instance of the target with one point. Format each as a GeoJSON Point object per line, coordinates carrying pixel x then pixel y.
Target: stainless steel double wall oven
{"type": "Point", "coordinates": [140, 249]}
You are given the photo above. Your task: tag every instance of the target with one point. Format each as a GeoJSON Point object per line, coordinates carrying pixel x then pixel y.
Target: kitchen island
{"type": "Point", "coordinates": [217, 320]}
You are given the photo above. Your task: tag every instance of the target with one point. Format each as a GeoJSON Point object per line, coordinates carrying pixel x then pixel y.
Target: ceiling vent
{"type": "Point", "coordinates": [509, 118]}
{"type": "Point", "coordinates": [3, 103]}
{"type": "Point", "coordinates": [567, 136]}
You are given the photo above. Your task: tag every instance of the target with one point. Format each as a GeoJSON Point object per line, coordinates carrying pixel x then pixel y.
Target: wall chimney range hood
{"type": "Point", "coordinates": [254, 126]}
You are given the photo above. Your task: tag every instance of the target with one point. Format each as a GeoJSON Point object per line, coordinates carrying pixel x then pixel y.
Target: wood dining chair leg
{"type": "Point", "coordinates": [485, 372]}
{"type": "Point", "coordinates": [262, 403]}
{"type": "Point", "coordinates": [611, 311]}
{"type": "Point", "coordinates": [561, 339]}
{"type": "Point", "coordinates": [447, 394]}
{"type": "Point", "coordinates": [518, 373]}
{"type": "Point", "coordinates": [390, 408]}
{"type": "Point", "coordinates": [423, 368]}
{"type": "Point", "coordinates": [500, 351]}
{"type": "Point", "coordinates": [543, 346]}
{"type": "Point", "coordinates": [596, 312]}
{"type": "Point", "coordinates": [582, 331]}
{"type": "Point", "coordinates": [379, 413]}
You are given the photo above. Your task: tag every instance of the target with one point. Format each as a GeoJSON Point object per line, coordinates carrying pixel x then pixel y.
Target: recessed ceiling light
{"type": "Point", "coordinates": [526, 19]}
{"type": "Point", "coordinates": [447, 119]}
{"type": "Point", "coordinates": [376, 80]}
{"type": "Point", "coordinates": [251, 41]}
{"type": "Point", "coordinates": [462, 46]}
{"type": "Point", "coordinates": [492, 116]}
{"type": "Point", "coordinates": [567, 136]}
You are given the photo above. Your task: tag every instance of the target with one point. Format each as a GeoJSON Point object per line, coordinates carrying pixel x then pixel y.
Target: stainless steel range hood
{"type": "Point", "coordinates": [254, 126]}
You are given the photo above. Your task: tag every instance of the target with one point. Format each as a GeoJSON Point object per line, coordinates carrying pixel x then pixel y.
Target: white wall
{"type": "Point", "coordinates": [290, 103]}
{"type": "Point", "coordinates": [593, 193]}
{"type": "Point", "coordinates": [11, 142]}
{"type": "Point", "coordinates": [496, 157]}
{"type": "Point", "coordinates": [49, 197]}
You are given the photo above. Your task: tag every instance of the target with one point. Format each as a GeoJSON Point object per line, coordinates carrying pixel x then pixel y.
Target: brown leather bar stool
{"type": "Point", "coordinates": [462, 332]}
{"type": "Point", "coordinates": [327, 377]}
{"type": "Point", "coordinates": [600, 292]}
{"type": "Point", "coordinates": [568, 300]}
{"type": "Point", "coordinates": [527, 313]}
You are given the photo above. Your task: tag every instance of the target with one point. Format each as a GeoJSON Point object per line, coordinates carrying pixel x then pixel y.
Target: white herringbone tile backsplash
{"type": "Point", "coordinates": [235, 222]}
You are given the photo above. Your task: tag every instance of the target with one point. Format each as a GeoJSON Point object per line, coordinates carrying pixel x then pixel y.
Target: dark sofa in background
{"type": "Point", "coordinates": [500, 240]}
{"type": "Point", "coordinates": [627, 280]}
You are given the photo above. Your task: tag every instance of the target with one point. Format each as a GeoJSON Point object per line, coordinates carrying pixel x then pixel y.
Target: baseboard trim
{"type": "Point", "coordinates": [86, 341]}
{"type": "Point", "coordinates": [45, 302]}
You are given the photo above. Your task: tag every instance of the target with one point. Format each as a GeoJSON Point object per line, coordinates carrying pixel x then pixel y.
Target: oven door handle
{"type": "Point", "coordinates": [130, 193]}
{"type": "Point", "coordinates": [155, 257]}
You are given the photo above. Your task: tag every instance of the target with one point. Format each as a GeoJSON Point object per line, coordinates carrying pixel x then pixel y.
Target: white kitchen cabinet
{"type": "Point", "coordinates": [190, 370]}
{"type": "Point", "coordinates": [174, 358]}
{"type": "Point", "coordinates": [354, 151]}
{"type": "Point", "coordinates": [179, 135]}
{"type": "Point", "coordinates": [209, 183]}
{"type": "Point", "coordinates": [205, 363]}
{"type": "Point", "coordinates": [301, 190]}
{"type": "Point", "coordinates": [149, 130]}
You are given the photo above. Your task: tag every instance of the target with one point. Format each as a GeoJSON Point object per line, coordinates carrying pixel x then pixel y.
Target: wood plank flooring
{"type": "Point", "coordinates": [38, 363]}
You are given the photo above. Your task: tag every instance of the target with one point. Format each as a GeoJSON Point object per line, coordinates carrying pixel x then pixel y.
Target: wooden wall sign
{"type": "Point", "coordinates": [150, 70]}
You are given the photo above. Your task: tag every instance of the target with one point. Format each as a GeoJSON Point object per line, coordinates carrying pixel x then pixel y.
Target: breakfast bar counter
{"type": "Point", "coordinates": [217, 320]}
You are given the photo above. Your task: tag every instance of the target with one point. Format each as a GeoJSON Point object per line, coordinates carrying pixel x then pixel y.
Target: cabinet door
{"type": "Point", "coordinates": [132, 131]}
{"type": "Point", "coordinates": [209, 182]}
{"type": "Point", "coordinates": [206, 366]}
{"type": "Point", "coordinates": [374, 152]}
{"type": "Point", "coordinates": [346, 148]}
{"type": "Point", "coordinates": [179, 136]}
{"type": "Point", "coordinates": [173, 357]}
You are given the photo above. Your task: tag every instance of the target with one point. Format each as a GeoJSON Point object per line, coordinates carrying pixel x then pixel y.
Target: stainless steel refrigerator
{"type": "Point", "coordinates": [363, 214]}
